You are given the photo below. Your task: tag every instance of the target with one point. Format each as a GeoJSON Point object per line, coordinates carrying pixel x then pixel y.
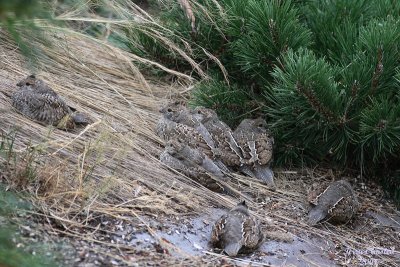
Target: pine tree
{"type": "Point", "coordinates": [324, 73]}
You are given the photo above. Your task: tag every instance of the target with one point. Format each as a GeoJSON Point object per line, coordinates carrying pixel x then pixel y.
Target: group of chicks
{"type": "Point", "coordinates": [204, 148]}
{"type": "Point", "coordinates": [198, 143]}
{"type": "Point", "coordinates": [238, 231]}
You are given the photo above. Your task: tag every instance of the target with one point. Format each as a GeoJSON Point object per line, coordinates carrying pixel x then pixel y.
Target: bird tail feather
{"type": "Point", "coordinates": [265, 174]}
{"type": "Point", "coordinates": [232, 249]}
{"type": "Point", "coordinates": [315, 215]}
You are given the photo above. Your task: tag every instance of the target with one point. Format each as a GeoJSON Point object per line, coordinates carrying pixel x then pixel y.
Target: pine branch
{"type": "Point", "coordinates": [378, 72]}
{"type": "Point", "coordinates": [309, 94]}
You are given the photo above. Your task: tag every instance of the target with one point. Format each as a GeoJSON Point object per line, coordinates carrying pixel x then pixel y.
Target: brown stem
{"type": "Point", "coordinates": [378, 72]}
{"type": "Point", "coordinates": [312, 99]}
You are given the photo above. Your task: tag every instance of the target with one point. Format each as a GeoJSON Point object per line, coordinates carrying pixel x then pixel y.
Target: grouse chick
{"type": "Point", "coordinates": [176, 123]}
{"type": "Point", "coordinates": [193, 164]}
{"type": "Point", "coordinates": [336, 202]}
{"type": "Point", "coordinates": [37, 101]}
{"type": "Point", "coordinates": [237, 231]}
{"type": "Point", "coordinates": [227, 148]}
{"type": "Point", "coordinates": [256, 144]}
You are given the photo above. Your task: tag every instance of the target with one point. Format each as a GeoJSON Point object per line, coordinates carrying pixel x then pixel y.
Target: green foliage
{"type": "Point", "coordinates": [10, 203]}
{"type": "Point", "coordinates": [226, 100]}
{"type": "Point", "coordinates": [375, 63]}
{"type": "Point", "coordinates": [325, 73]}
{"type": "Point", "coordinates": [146, 42]}
{"type": "Point", "coordinates": [21, 167]}
{"type": "Point", "coordinates": [6, 147]}
{"type": "Point", "coordinates": [341, 109]}
{"type": "Point", "coordinates": [19, 9]}
{"type": "Point", "coordinates": [13, 207]}
{"type": "Point", "coordinates": [335, 25]}
{"type": "Point", "coordinates": [173, 41]}
{"type": "Point", "coordinates": [306, 105]}
{"type": "Point", "coordinates": [380, 129]}
{"type": "Point", "coordinates": [10, 254]}
{"type": "Point", "coordinates": [227, 29]}
{"type": "Point", "coordinates": [267, 33]}
{"type": "Point", "coordinates": [17, 17]}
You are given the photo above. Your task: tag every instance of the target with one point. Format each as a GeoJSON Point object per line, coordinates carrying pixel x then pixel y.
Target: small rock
{"type": "Point", "coordinates": [197, 246]}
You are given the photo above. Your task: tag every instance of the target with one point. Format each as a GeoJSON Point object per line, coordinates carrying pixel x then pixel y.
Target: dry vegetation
{"type": "Point", "coordinates": [110, 172]}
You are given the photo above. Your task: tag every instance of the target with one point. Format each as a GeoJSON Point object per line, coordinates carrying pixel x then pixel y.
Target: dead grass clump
{"type": "Point", "coordinates": [112, 162]}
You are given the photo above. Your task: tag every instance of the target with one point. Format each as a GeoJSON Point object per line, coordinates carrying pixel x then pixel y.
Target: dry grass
{"type": "Point", "coordinates": [110, 169]}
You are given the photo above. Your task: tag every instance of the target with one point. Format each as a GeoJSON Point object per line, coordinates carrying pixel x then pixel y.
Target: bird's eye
{"type": "Point", "coordinates": [260, 125]}
{"type": "Point", "coordinates": [169, 110]}
{"type": "Point", "coordinates": [199, 112]}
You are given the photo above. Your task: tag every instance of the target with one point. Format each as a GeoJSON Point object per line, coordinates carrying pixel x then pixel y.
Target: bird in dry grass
{"type": "Point", "coordinates": [336, 202]}
{"type": "Point", "coordinates": [37, 101]}
{"type": "Point", "coordinates": [177, 123]}
{"type": "Point", "coordinates": [194, 164]}
{"type": "Point", "coordinates": [226, 146]}
{"type": "Point", "coordinates": [256, 144]}
{"type": "Point", "coordinates": [192, 157]}
{"type": "Point", "coordinates": [237, 231]}
{"type": "Point", "coordinates": [178, 112]}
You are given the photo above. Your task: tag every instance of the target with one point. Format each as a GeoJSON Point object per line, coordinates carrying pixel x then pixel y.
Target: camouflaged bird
{"type": "Point", "coordinates": [335, 202]}
{"type": "Point", "coordinates": [194, 164]}
{"type": "Point", "coordinates": [226, 146]}
{"type": "Point", "coordinates": [178, 112]}
{"type": "Point", "coordinates": [192, 157]}
{"type": "Point", "coordinates": [37, 101]}
{"type": "Point", "coordinates": [256, 144]}
{"type": "Point", "coordinates": [174, 125]}
{"type": "Point", "coordinates": [237, 231]}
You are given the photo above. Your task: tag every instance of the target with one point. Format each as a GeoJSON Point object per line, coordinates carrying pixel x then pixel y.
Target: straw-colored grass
{"type": "Point", "coordinates": [110, 169]}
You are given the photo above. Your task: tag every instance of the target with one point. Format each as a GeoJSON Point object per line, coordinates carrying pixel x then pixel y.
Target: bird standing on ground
{"type": "Point", "coordinates": [256, 144]}
{"type": "Point", "coordinates": [237, 231]}
{"type": "Point", "coordinates": [37, 101]}
{"type": "Point", "coordinates": [336, 202]}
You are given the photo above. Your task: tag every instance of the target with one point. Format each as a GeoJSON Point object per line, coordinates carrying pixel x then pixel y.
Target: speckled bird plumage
{"type": "Point", "coordinates": [176, 123]}
{"type": "Point", "coordinates": [249, 148]}
{"type": "Point", "coordinates": [256, 144]}
{"type": "Point", "coordinates": [194, 164]}
{"type": "Point", "coordinates": [37, 101]}
{"type": "Point", "coordinates": [192, 157]}
{"type": "Point", "coordinates": [169, 130]}
{"type": "Point", "coordinates": [336, 202]}
{"type": "Point", "coordinates": [227, 148]}
{"type": "Point", "coordinates": [255, 141]}
{"type": "Point", "coordinates": [178, 112]}
{"type": "Point", "coordinates": [237, 231]}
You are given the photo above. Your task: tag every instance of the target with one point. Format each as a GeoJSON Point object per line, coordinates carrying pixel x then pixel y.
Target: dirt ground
{"type": "Point", "coordinates": [102, 197]}
{"type": "Point", "coordinates": [371, 239]}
